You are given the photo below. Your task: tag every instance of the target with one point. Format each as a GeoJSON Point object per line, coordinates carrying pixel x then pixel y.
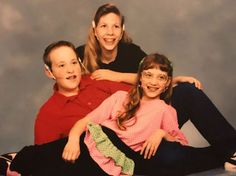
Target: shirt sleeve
{"type": "Point", "coordinates": [170, 124]}
{"type": "Point", "coordinates": [138, 55]}
{"type": "Point", "coordinates": [104, 110]}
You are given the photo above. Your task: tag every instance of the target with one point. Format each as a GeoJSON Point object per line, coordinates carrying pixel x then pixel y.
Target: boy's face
{"type": "Point", "coordinates": [66, 70]}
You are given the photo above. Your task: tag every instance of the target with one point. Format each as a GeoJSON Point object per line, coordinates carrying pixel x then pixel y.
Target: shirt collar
{"type": "Point", "coordinates": [86, 81]}
{"type": "Point", "coordinates": [62, 99]}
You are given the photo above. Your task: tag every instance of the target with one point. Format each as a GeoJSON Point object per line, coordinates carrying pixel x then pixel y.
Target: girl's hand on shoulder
{"type": "Point", "coordinates": [71, 150]}
{"type": "Point", "coordinates": [189, 79]}
{"type": "Point", "coordinates": [105, 74]}
{"type": "Point", "coordinates": [151, 145]}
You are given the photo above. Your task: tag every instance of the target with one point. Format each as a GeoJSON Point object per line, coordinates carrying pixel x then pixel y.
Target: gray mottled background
{"type": "Point", "coordinates": [199, 36]}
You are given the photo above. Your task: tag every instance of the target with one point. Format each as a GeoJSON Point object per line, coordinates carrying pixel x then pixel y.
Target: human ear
{"type": "Point", "coordinates": [123, 27]}
{"type": "Point", "coordinates": [93, 24]}
{"type": "Point", "coordinates": [168, 83]}
{"type": "Point", "coordinates": [48, 72]}
{"type": "Point", "coordinates": [94, 30]}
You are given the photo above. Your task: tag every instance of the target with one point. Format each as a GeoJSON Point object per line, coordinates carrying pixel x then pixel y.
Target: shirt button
{"type": "Point", "coordinates": [89, 103]}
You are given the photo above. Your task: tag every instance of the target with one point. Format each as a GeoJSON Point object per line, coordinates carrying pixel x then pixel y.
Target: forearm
{"type": "Point", "coordinates": [78, 128]}
{"type": "Point", "coordinates": [129, 78]}
{"type": "Point", "coordinates": [189, 79]}
{"type": "Point", "coordinates": [106, 74]}
{"type": "Point", "coordinates": [176, 80]}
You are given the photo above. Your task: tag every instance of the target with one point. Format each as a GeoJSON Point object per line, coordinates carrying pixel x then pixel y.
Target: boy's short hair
{"type": "Point", "coordinates": [53, 46]}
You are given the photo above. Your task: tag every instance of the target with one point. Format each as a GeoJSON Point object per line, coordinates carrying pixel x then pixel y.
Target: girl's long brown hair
{"type": "Point", "coordinates": [155, 60]}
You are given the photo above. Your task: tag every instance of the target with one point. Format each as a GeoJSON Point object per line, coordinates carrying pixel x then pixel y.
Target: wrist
{"type": "Point", "coordinates": [73, 135]}
{"type": "Point", "coordinates": [74, 138]}
{"type": "Point", "coordinates": [161, 133]}
{"type": "Point", "coordinates": [175, 80]}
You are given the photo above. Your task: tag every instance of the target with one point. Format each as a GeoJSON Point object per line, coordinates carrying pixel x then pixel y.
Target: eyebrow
{"type": "Point", "coordinates": [163, 74]}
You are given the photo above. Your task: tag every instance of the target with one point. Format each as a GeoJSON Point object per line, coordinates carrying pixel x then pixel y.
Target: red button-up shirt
{"type": "Point", "coordinates": [59, 113]}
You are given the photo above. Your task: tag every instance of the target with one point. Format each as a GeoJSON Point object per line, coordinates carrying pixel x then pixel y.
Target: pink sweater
{"type": "Point", "coordinates": [152, 115]}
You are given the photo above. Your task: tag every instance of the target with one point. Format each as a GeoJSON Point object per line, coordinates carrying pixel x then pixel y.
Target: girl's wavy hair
{"type": "Point", "coordinates": [155, 60]}
{"type": "Point", "coordinates": [92, 52]}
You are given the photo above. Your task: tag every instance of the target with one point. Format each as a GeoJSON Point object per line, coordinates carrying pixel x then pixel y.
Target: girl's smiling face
{"type": "Point", "coordinates": [109, 31]}
{"type": "Point", "coordinates": [153, 83]}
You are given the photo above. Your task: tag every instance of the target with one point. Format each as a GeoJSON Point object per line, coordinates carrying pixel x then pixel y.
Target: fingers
{"type": "Point", "coordinates": [149, 150]}
{"type": "Point", "coordinates": [102, 74]}
{"type": "Point", "coordinates": [97, 75]}
{"type": "Point", "coordinates": [70, 156]}
{"type": "Point", "coordinates": [94, 76]}
{"type": "Point", "coordinates": [198, 84]}
{"type": "Point", "coordinates": [143, 148]}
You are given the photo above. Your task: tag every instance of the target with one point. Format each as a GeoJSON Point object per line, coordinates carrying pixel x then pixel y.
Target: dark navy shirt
{"type": "Point", "coordinates": [127, 60]}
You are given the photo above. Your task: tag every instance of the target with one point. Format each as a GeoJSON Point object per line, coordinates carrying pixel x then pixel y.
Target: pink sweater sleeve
{"type": "Point", "coordinates": [170, 124]}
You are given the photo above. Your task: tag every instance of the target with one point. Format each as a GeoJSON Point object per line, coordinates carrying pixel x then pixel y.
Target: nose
{"type": "Point", "coordinates": [110, 30]}
{"type": "Point", "coordinates": [154, 81]}
{"type": "Point", "coordinates": [70, 69]}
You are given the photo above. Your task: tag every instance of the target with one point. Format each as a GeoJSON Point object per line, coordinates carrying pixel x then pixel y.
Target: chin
{"type": "Point", "coordinates": [153, 96]}
{"type": "Point", "coordinates": [110, 48]}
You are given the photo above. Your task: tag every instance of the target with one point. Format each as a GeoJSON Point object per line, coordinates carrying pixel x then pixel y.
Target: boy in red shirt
{"type": "Point", "coordinates": [74, 95]}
